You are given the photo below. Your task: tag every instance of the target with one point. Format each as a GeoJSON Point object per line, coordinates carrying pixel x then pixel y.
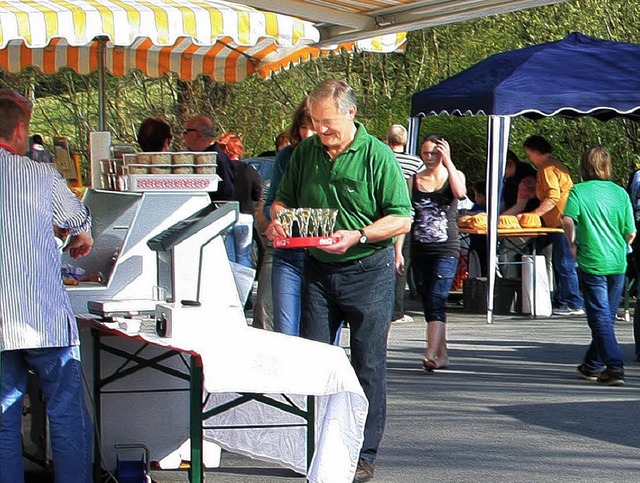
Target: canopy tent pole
{"type": "Point", "coordinates": [413, 132]}
{"type": "Point", "coordinates": [498, 129]}
{"type": "Point", "coordinates": [102, 91]}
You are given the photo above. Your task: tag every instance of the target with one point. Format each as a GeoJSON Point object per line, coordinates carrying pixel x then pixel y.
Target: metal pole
{"type": "Point", "coordinates": [498, 128]}
{"type": "Point", "coordinates": [413, 131]}
{"type": "Point", "coordinates": [102, 95]}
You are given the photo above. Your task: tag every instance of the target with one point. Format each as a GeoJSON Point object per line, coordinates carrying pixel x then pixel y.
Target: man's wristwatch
{"type": "Point", "coordinates": [363, 236]}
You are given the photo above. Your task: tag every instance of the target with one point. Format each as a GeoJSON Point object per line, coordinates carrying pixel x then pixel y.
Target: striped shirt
{"type": "Point", "coordinates": [35, 310]}
{"type": "Point", "coordinates": [410, 164]}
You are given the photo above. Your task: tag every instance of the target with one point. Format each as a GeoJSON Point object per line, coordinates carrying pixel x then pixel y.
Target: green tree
{"type": "Point", "coordinates": [67, 104]}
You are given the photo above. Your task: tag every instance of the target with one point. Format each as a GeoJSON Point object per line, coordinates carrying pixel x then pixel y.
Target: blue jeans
{"type": "Point", "coordinates": [59, 372]}
{"type": "Point", "coordinates": [360, 293]}
{"type": "Point", "coordinates": [601, 297]}
{"type": "Point", "coordinates": [239, 241]}
{"type": "Point", "coordinates": [286, 284]}
{"type": "Point", "coordinates": [566, 289]}
{"type": "Point", "coordinates": [433, 276]}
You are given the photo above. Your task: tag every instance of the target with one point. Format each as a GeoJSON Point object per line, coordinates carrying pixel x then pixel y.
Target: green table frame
{"type": "Point", "coordinates": [137, 361]}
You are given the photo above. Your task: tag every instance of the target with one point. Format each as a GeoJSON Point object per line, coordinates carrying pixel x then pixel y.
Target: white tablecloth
{"type": "Point", "coordinates": [237, 358]}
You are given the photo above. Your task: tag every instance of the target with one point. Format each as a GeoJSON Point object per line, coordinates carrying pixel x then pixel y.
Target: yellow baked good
{"type": "Point", "coordinates": [508, 222]}
{"type": "Point", "coordinates": [478, 221]}
{"type": "Point", "coordinates": [529, 220]}
{"type": "Point", "coordinates": [464, 221]}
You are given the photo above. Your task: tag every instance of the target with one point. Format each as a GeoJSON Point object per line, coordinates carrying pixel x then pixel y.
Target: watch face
{"type": "Point", "coordinates": [363, 239]}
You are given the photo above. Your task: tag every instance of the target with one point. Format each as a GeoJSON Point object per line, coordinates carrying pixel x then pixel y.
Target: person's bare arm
{"type": "Point", "coordinates": [457, 180]}
{"type": "Point", "coordinates": [261, 221]}
{"type": "Point", "coordinates": [397, 246]}
{"type": "Point", "coordinates": [570, 232]}
{"type": "Point", "coordinates": [552, 194]}
{"type": "Point", "coordinates": [516, 209]}
{"type": "Point", "coordinates": [630, 237]}
{"type": "Point", "coordinates": [546, 205]}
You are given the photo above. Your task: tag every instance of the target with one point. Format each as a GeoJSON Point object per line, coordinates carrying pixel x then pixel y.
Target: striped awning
{"type": "Point", "coordinates": [281, 60]}
{"type": "Point", "coordinates": [163, 22]}
{"type": "Point", "coordinates": [224, 40]}
{"type": "Point", "coordinates": [222, 62]}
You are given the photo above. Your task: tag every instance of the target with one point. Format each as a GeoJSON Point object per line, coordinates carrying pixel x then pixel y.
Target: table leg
{"type": "Point", "coordinates": [535, 279]}
{"type": "Point", "coordinates": [195, 421]}
{"type": "Point", "coordinates": [311, 429]}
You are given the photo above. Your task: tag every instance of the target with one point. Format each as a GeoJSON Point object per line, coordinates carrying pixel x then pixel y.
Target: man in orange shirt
{"type": "Point", "coordinates": [553, 183]}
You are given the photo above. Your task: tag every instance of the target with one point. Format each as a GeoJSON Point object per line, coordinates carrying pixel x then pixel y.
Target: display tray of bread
{"type": "Point", "coordinates": [528, 224]}
{"type": "Point", "coordinates": [479, 221]}
{"type": "Point", "coordinates": [476, 221]}
{"type": "Point", "coordinates": [508, 222]}
{"type": "Point", "coordinates": [529, 220]}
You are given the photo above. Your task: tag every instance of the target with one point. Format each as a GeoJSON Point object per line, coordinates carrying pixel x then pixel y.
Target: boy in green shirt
{"type": "Point", "coordinates": [598, 222]}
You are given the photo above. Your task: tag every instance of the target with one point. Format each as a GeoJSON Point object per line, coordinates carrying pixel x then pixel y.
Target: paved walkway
{"type": "Point", "coordinates": [510, 408]}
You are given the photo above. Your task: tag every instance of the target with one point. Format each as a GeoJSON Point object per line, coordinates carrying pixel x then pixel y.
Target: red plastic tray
{"type": "Point", "coordinates": [303, 242]}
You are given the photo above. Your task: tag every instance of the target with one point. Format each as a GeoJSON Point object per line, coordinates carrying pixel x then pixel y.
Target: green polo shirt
{"type": "Point", "coordinates": [364, 183]}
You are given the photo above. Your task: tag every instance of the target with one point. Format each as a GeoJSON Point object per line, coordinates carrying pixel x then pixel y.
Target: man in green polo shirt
{"type": "Point", "coordinates": [352, 280]}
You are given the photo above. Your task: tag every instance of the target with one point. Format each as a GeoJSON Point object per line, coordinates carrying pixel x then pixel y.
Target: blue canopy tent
{"type": "Point", "coordinates": [573, 77]}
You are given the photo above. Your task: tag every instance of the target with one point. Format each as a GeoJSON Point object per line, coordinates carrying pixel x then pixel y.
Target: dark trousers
{"type": "Point", "coordinates": [361, 294]}
{"type": "Point", "coordinates": [401, 281]}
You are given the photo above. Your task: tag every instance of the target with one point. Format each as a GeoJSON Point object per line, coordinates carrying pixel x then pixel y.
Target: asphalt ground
{"type": "Point", "coordinates": [511, 408]}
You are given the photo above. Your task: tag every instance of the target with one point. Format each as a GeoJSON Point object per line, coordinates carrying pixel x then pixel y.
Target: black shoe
{"type": "Point", "coordinates": [586, 374]}
{"type": "Point", "coordinates": [609, 377]}
{"type": "Point", "coordinates": [364, 471]}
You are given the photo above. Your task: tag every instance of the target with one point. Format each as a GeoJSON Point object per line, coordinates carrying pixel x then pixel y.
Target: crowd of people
{"type": "Point", "coordinates": [589, 254]}
{"type": "Point", "coordinates": [395, 212]}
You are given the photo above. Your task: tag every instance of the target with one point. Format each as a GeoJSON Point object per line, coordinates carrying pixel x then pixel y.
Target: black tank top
{"type": "Point", "coordinates": [434, 230]}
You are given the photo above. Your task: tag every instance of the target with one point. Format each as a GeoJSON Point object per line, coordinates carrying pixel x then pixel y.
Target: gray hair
{"type": "Point", "coordinates": [204, 125]}
{"type": "Point", "coordinates": [339, 91]}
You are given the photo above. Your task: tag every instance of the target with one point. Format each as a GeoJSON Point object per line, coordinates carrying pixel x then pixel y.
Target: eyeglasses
{"type": "Point", "coordinates": [189, 130]}
{"type": "Point", "coordinates": [431, 154]}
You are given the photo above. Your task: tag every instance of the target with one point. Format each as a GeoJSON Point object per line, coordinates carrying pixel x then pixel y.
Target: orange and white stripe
{"type": "Point", "coordinates": [220, 39]}
{"type": "Point", "coordinates": [281, 60]}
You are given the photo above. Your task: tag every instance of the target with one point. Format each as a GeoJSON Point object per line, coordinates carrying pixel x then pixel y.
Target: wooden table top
{"type": "Point", "coordinates": [513, 232]}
